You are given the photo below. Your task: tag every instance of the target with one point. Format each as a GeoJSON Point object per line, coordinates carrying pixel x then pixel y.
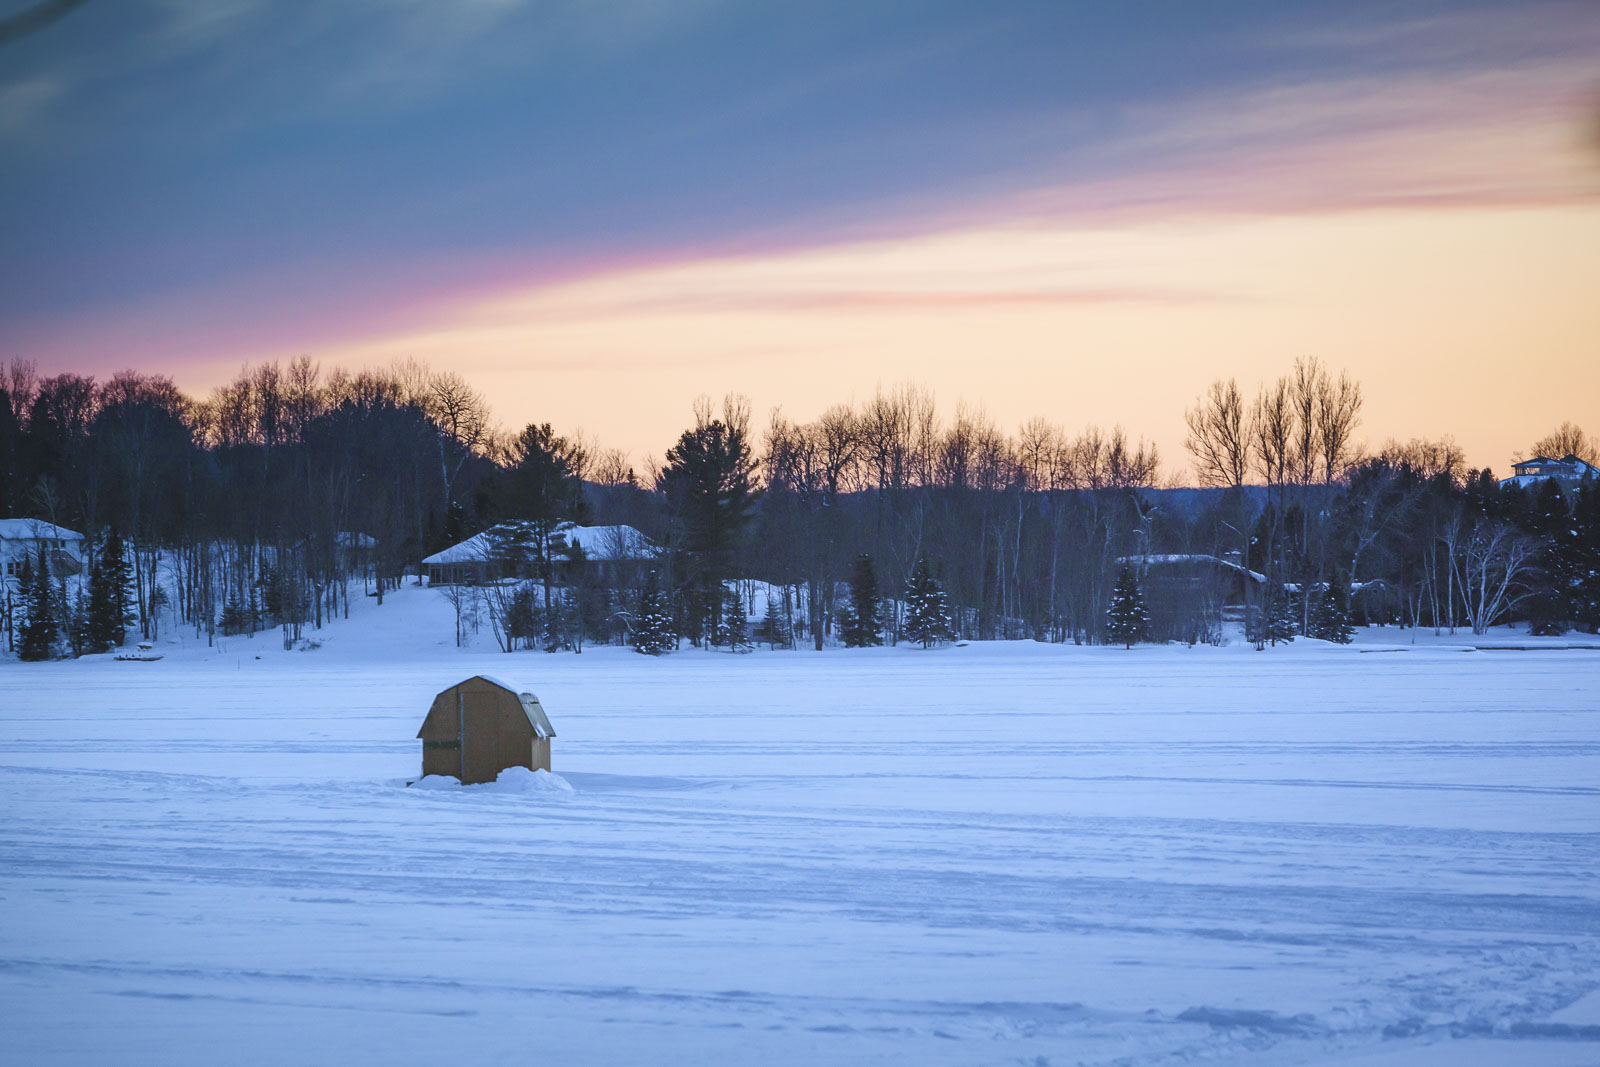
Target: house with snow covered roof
{"type": "Point", "coordinates": [24, 538]}
{"type": "Point", "coordinates": [613, 555]}
{"type": "Point", "coordinates": [1569, 470]}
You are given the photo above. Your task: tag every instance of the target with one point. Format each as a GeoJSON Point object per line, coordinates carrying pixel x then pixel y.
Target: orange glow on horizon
{"type": "Point", "coordinates": [1478, 323]}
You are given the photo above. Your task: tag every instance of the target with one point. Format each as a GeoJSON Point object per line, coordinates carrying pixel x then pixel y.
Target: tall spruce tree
{"type": "Point", "coordinates": [75, 624]}
{"type": "Point", "coordinates": [101, 625]}
{"type": "Point", "coordinates": [774, 628]}
{"type": "Point", "coordinates": [927, 613]}
{"type": "Point", "coordinates": [544, 491]}
{"type": "Point", "coordinates": [40, 632]}
{"type": "Point", "coordinates": [1547, 605]}
{"type": "Point", "coordinates": [1330, 618]}
{"type": "Point", "coordinates": [653, 633]}
{"type": "Point", "coordinates": [863, 620]}
{"type": "Point", "coordinates": [708, 484]}
{"type": "Point", "coordinates": [1127, 620]}
{"type": "Point", "coordinates": [1282, 621]}
{"type": "Point", "coordinates": [735, 629]}
{"type": "Point", "coordinates": [107, 613]}
{"type": "Point", "coordinates": [119, 582]}
{"type": "Point", "coordinates": [1583, 549]}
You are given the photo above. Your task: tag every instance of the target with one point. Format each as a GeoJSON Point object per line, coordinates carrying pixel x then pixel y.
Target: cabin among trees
{"type": "Point", "coordinates": [25, 538]}
{"type": "Point", "coordinates": [1568, 471]}
{"type": "Point", "coordinates": [1190, 595]}
{"type": "Point", "coordinates": [608, 555]}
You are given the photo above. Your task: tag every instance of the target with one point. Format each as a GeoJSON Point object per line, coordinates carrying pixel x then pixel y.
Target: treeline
{"type": "Point", "coordinates": [268, 501]}
{"type": "Point", "coordinates": [266, 498]}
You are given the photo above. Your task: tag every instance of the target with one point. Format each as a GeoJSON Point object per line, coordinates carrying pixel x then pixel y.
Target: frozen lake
{"type": "Point", "coordinates": [985, 855]}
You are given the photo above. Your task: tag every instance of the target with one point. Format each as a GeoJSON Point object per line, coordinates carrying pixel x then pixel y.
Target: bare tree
{"type": "Point", "coordinates": [1568, 439]}
{"type": "Point", "coordinates": [1220, 436]}
{"type": "Point", "coordinates": [1492, 565]}
{"type": "Point", "coordinates": [1282, 432]}
{"type": "Point", "coordinates": [1427, 458]}
{"type": "Point", "coordinates": [462, 415]}
{"type": "Point", "coordinates": [1220, 440]}
{"type": "Point", "coordinates": [611, 467]}
{"type": "Point", "coordinates": [1302, 392]}
{"type": "Point", "coordinates": [1338, 415]}
{"type": "Point", "coordinates": [19, 383]}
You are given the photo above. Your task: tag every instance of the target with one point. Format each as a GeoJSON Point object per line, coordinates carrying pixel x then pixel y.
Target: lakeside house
{"type": "Point", "coordinates": [24, 538]}
{"type": "Point", "coordinates": [1569, 470]}
{"type": "Point", "coordinates": [614, 555]}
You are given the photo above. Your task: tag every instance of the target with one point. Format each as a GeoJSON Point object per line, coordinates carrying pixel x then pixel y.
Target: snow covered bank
{"type": "Point", "coordinates": [994, 854]}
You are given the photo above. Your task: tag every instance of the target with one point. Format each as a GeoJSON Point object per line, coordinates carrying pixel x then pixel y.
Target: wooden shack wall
{"type": "Point", "coordinates": [441, 751]}
{"type": "Point", "coordinates": [497, 732]}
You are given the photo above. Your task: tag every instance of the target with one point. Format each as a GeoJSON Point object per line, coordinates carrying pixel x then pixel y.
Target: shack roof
{"type": "Point", "coordinates": [530, 704]}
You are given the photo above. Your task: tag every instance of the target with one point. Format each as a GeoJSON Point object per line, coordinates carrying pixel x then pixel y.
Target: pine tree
{"type": "Point", "coordinates": [1282, 620]}
{"type": "Point", "coordinates": [1583, 583]}
{"type": "Point", "coordinates": [927, 617]}
{"type": "Point", "coordinates": [235, 616]}
{"type": "Point", "coordinates": [40, 632]}
{"type": "Point", "coordinates": [101, 625]}
{"type": "Point", "coordinates": [863, 621]}
{"type": "Point", "coordinates": [1330, 618]}
{"type": "Point", "coordinates": [1547, 606]}
{"type": "Point", "coordinates": [107, 615]}
{"type": "Point", "coordinates": [523, 620]}
{"type": "Point", "coordinates": [735, 629]}
{"type": "Point", "coordinates": [774, 629]}
{"type": "Point", "coordinates": [654, 633]}
{"type": "Point", "coordinates": [1127, 620]}
{"type": "Point", "coordinates": [119, 583]}
{"type": "Point", "coordinates": [75, 614]}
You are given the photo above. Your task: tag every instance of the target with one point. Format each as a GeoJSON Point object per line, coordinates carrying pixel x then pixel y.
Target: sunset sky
{"type": "Point", "coordinates": [598, 211]}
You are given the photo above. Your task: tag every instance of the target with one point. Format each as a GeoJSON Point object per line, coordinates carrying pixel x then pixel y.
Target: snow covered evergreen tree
{"type": "Point", "coordinates": [1583, 550]}
{"type": "Point", "coordinates": [524, 619]}
{"type": "Point", "coordinates": [774, 628]}
{"type": "Point", "coordinates": [1127, 620]}
{"type": "Point", "coordinates": [1330, 616]}
{"type": "Point", "coordinates": [107, 615]}
{"type": "Point", "coordinates": [654, 634]}
{"type": "Point", "coordinates": [927, 612]}
{"type": "Point", "coordinates": [75, 618]}
{"type": "Point", "coordinates": [102, 627]}
{"type": "Point", "coordinates": [1547, 604]}
{"type": "Point", "coordinates": [863, 619]}
{"type": "Point", "coordinates": [119, 581]}
{"type": "Point", "coordinates": [235, 616]}
{"type": "Point", "coordinates": [1282, 620]}
{"type": "Point", "coordinates": [734, 630]}
{"type": "Point", "coordinates": [40, 632]}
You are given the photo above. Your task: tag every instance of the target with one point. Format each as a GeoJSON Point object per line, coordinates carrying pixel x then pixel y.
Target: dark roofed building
{"type": "Point", "coordinates": [1568, 470]}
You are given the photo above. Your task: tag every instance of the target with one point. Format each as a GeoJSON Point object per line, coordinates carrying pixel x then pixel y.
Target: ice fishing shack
{"type": "Point", "coordinates": [479, 727]}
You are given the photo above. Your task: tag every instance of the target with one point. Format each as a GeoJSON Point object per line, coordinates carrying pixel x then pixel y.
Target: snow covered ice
{"type": "Point", "coordinates": [997, 854]}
